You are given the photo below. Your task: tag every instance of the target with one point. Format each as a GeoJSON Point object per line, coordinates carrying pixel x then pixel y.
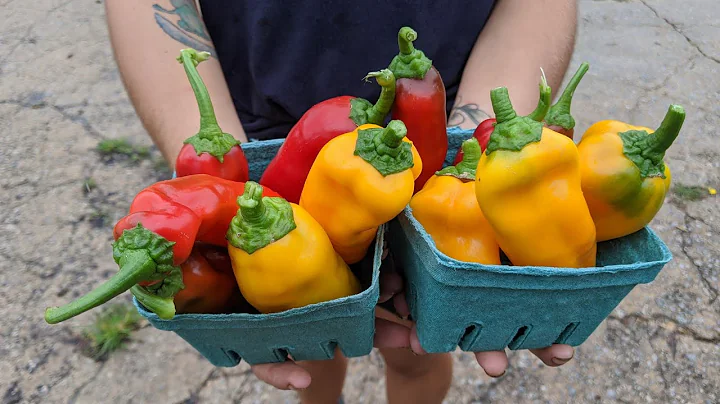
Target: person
{"type": "Point", "coordinates": [273, 60]}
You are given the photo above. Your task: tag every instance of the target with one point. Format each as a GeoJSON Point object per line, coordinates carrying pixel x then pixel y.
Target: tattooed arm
{"type": "Point", "coordinates": [146, 38]}
{"type": "Point", "coordinates": [519, 38]}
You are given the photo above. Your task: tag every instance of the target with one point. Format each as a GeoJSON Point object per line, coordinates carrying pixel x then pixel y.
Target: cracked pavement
{"type": "Point", "coordinates": [60, 93]}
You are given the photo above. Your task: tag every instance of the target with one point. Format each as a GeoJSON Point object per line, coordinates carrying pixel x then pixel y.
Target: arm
{"type": "Point", "coordinates": [519, 38]}
{"type": "Point", "coordinates": [146, 39]}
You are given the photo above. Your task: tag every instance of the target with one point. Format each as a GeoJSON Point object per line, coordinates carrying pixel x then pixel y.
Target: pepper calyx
{"type": "Point", "coordinates": [465, 169]}
{"type": "Point", "coordinates": [260, 221]}
{"type": "Point", "coordinates": [143, 256]}
{"type": "Point", "coordinates": [647, 150]}
{"type": "Point", "coordinates": [210, 138]}
{"type": "Point", "coordinates": [511, 132]}
{"type": "Point", "coordinates": [409, 63]}
{"type": "Point", "coordinates": [385, 149]}
{"type": "Point", "coordinates": [164, 307]}
{"type": "Point", "coordinates": [363, 112]}
{"type": "Point", "coordinates": [559, 113]}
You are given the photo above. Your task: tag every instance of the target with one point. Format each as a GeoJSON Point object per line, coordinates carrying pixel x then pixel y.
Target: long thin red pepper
{"type": "Point", "coordinates": [210, 151]}
{"type": "Point", "coordinates": [420, 104]}
{"type": "Point", "coordinates": [287, 172]}
{"type": "Point", "coordinates": [166, 220]}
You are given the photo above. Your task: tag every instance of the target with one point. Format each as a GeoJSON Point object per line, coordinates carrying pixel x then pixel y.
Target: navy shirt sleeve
{"type": "Point", "coordinates": [280, 57]}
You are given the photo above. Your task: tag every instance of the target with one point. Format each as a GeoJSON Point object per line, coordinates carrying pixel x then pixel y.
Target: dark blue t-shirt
{"type": "Point", "coordinates": [280, 57]}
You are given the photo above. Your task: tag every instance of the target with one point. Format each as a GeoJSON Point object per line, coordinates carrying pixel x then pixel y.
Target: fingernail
{"type": "Point", "coordinates": [560, 361]}
{"type": "Point", "coordinates": [499, 376]}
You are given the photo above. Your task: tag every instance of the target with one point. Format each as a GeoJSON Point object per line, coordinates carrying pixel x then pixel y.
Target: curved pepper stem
{"type": "Point", "coordinates": [559, 113]}
{"type": "Point", "coordinates": [465, 169]}
{"type": "Point", "coordinates": [363, 112]}
{"type": "Point", "coordinates": [647, 151]}
{"type": "Point", "coordinates": [511, 132]}
{"type": "Point", "coordinates": [544, 101]}
{"type": "Point", "coordinates": [409, 63]}
{"type": "Point", "coordinates": [260, 220]}
{"type": "Point", "coordinates": [143, 256]}
{"type": "Point", "coordinates": [210, 138]}
{"type": "Point", "coordinates": [164, 307]}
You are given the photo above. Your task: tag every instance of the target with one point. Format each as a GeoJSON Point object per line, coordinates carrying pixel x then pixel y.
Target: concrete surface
{"type": "Point", "coordinates": [60, 94]}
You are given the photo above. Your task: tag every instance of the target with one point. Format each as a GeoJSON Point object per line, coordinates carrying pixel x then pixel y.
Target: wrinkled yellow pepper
{"type": "Point", "coordinates": [528, 187]}
{"type": "Point", "coordinates": [359, 181]}
{"type": "Point", "coordinates": [281, 256]}
{"type": "Point", "coordinates": [624, 178]}
{"type": "Point", "coordinates": [448, 210]}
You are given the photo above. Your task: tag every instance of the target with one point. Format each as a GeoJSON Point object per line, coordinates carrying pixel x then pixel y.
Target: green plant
{"type": "Point", "coordinates": [690, 192]}
{"type": "Point", "coordinates": [111, 148]}
{"type": "Point", "coordinates": [110, 329]}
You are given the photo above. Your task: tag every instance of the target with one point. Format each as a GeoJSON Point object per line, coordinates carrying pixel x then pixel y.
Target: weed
{"type": "Point", "coordinates": [690, 192]}
{"type": "Point", "coordinates": [113, 148]}
{"type": "Point", "coordinates": [89, 184]}
{"type": "Point", "coordinates": [111, 328]}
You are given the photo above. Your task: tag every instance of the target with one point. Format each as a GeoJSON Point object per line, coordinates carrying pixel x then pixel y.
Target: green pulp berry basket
{"type": "Point", "coordinates": [308, 333]}
{"type": "Point", "coordinates": [491, 307]}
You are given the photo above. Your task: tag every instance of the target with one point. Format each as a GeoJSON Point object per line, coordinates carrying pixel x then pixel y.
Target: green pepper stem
{"type": "Point", "coordinates": [406, 37]}
{"type": "Point", "coordinates": [465, 169]}
{"type": "Point", "coordinates": [544, 101]}
{"type": "Point", "coordinates": [386, 79]}
{"type": "Point", "coordinates": [164, 307]}
{"type": "Point", "coordinates": [502, 107]}
{"type": "Point", "coordinates": [190, 58]}
{"type": "Point", "coordinates": [135, 266]}
{"type": "Point", "coordinates": [660, 140]}
{"type": "Point", "coordinates": [251, 204]}
{"type": "Point", "coordinates": [393, 134]}
{"type": "Point", "coordinates": [562, 107]}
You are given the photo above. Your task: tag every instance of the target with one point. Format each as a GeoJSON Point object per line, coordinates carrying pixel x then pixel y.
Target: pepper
{"type": "Point", "coordinates": [448, 210]}
{"type": "Point", "coordinates": [288, 170]}
{"type": "Point", "coordinates": [558, 117]}
{"type": "Point", "coordinates": [165, 221]}
{"type": "Point", "coordinates": [485, 128]}
{"type": "Point", "coordinates": [282, 257]}
{"type": "Point", "coordinates": [360, 180]}
{"type": "Point", "coordinates": [528, 187]}
{"type": "Point", "coordinates": [208, 289]}
{"type": "Point", "coordinates": [624, 177]}
{"type": "Point", "coordinates": [420, 104]}
{"type": "Point", "coordinates": [210, 151]}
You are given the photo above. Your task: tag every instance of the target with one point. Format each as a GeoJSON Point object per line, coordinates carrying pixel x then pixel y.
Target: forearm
{"type": "Point", "coordinates": [519, 38]}
{"type": "Point", "coordinates": [155, 81]}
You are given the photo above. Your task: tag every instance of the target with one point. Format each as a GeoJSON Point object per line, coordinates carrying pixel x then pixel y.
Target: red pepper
{"type": "Point", "coordinates": [207, 288]}
{"type": "Point", "coordinates": [166, 220]}
{"type": "Point", "coordinates": [482, 134]}
{"type": "Point", "coordinates": [210, 151]}
{"type": "Point", "coordinates": [287, 172]}
{"type": "Point", "coordinates": [420, 104]}
{"type": "Point", "coordinates": [485, 129]}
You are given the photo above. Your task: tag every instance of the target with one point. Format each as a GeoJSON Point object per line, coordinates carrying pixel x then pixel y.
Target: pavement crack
{"type": "Point", "coordinates": [685, 245]}
{"type": "Point", "coordinates": [73, 398]}
{"type": "Point", "coordinates": [679, 31]}
{"type": "Point", "coordinates": [194, 396]}
{"type": "Point", "coordinates": [675, 326]}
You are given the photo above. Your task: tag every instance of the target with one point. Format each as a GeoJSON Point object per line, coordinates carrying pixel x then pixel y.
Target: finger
{"type": "Point", "coordinates": [415, 342]}
{"type": "Point", "coordinates": [494, 363]}
{"type": "Point", "coordinates": [390, 284]}
{"type": "Point", "coordinates": [391, 335]}
{"type": "Point", "coordinates": [284, 376]}
{"type": "Point", "coordinates": [401, 306]}
{"type": "Point", "coordinates": [555, 355]}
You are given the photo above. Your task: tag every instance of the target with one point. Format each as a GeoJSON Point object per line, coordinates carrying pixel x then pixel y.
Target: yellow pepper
{"type": "Point", "coordinates": [281, 256]}
{"type": "Point", "coordinates": [360, 180]}
{"type": "Point", "coordinates": [528, 187]}
{"type": "Point", "coordinates": [448, 210]}
{"type": "Point", "coordinates": [624, 178]}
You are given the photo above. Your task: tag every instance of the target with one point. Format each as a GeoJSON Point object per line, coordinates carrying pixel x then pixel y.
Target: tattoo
{"type": "Point", "coordinates": [188, 28]}
{"type": "Point", "coordinates": [466, 115]}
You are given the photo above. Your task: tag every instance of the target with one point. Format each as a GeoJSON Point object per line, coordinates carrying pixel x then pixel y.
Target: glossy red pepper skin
{"type": "Point", "coordinates": [234, 166]}
{"type": "Point", "coordinates": [482, 134]}
{"type": "Point", "coordinates": [211, 199]}
{"type": "Point", "coordinates": [287, 172]}
{"type": "Point", "coordinates": [207, 288]}
{"type": "Point", "coordinates": [420, 104]}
